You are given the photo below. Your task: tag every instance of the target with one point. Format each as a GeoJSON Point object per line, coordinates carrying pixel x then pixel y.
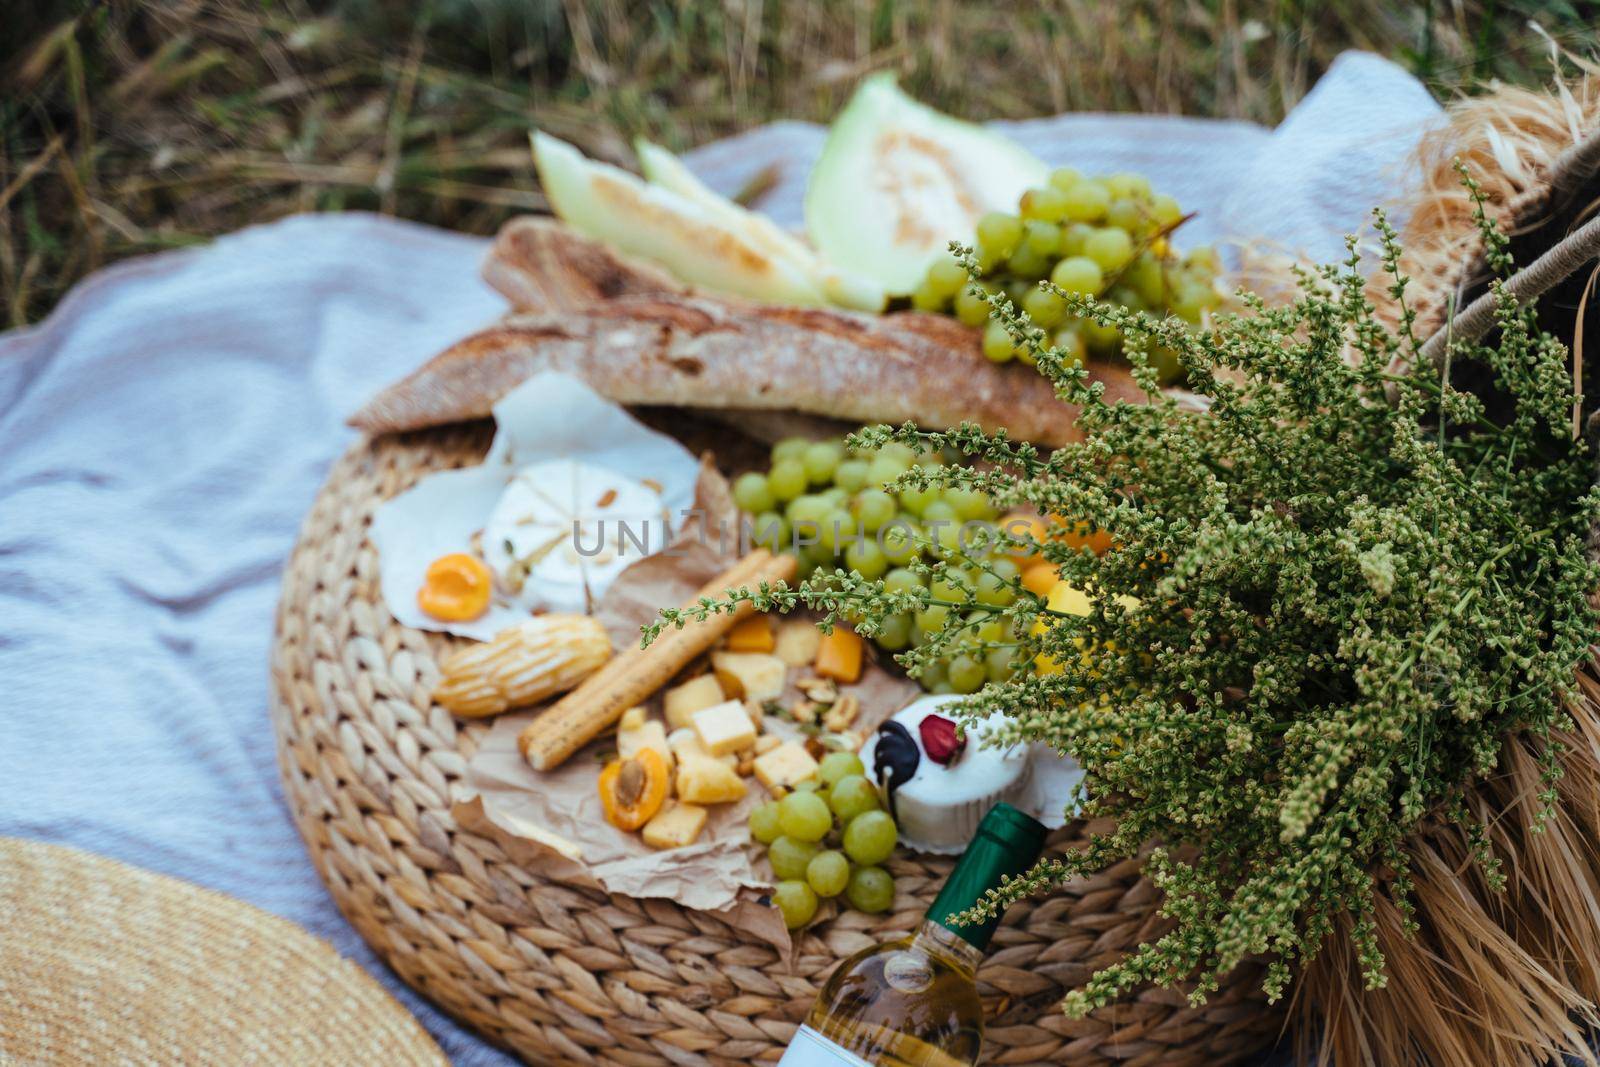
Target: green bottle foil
{"type": "Point", "coordinates": [1007, 844]}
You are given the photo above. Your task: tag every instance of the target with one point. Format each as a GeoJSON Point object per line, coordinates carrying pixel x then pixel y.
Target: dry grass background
{"type": "Point", "coordinates": [130, 127]}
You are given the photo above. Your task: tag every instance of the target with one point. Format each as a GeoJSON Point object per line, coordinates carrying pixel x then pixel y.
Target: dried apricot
{"type": "Point", "coordinates": [456, 588]}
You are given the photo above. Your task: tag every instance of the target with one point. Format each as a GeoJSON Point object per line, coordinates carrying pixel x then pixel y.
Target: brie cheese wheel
{"type": "Point", "coordinates": [939, 807]}
{"type": "Point", "coordinates": [563, 530]}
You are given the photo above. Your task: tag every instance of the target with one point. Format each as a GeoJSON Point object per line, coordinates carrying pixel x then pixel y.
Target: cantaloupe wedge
{"type": "Point", "coordinates": [658, 224]}
{"type": "Point", "coordinates": [897, 181]}
{"type": "Point", "coordinates": [840, 287]}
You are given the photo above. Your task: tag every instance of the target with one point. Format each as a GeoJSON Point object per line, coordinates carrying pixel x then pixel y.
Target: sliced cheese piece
{"type": "Point", "coordinates": [785, 766]}
{"type": "Point", "coordinates": [646, 735]}
{"type": "Point", "coordinates": [675, 826]}
{"type": "Point", "coordinates": [681, 702]}
{"type": "Point", "coordinates": [839, 656]}
{"type": "Point", "coordinates": [686, 743]}
{"type": "Point", "coordinates": [797, 641]}
{"type": "Point", "coordinates": [725, 728]}
{"type": "Point", "coordinates": [707, 780]}
{"type": "Point", "coordinates": [757, 675]}
{"type": "Point", "coordinates": [752, 635]}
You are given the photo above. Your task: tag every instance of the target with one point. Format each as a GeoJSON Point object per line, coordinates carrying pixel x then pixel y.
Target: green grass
{"type": "Point", "coordinates": [127, 128]}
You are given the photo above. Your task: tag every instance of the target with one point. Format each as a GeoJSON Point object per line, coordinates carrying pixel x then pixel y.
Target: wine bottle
{"type": "Point", "coordinates": [913, 1002]}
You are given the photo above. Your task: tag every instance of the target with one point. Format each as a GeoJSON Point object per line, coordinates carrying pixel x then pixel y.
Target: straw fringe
{"type": "Point", "coordinates": [1511, 141]}
{"type": "Point", "coordinates": [1488, 978]}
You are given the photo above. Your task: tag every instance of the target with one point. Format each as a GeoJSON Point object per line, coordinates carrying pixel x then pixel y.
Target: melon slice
{"type": "Point", "coordinates": [839, 287]}
{"type": "Point", "coordinates": [897, 182]}
{"type": "Point", "coordinates": [658, 224]}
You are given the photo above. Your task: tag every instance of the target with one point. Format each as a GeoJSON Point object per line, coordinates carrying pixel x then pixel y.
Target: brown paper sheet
{"type": "Point", "coordinates": [720, 873]}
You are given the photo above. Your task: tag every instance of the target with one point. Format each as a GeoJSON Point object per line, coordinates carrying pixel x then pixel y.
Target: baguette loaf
{"type": "Point", "coordinates": [703, 352]}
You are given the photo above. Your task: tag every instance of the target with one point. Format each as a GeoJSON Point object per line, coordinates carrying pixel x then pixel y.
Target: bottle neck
{"type": "Point", "coordinates": [1006, 845]}
{"type": "Point", "coordinates": [943, 943]}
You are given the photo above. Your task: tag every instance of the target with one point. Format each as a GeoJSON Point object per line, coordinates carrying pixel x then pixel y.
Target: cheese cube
{"type": "Point", "coordinates": [724, 728]}
{"type": "Point", "coordinates": [785, 766]}
{"type": "Point", "coordinates": [708, 780]}
{"type": "Point", "coordinates": [681, 702]}
{"type": "Point", "coordinates": [646, 735]}
{"type": "Point", "coordinates": [685, 743]}
{"type": "Point", "coordinates": [752, 635]}
{"type": "Point", "coordinates": [675, 826]}
{"type": "Point", "coordinates": [797, 642]}
{"type": "Point", "coordinates": [756, 675]}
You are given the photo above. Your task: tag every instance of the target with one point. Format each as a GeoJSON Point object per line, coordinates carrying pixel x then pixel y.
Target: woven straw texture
{"type": "Point", "coordinates": [1534, 155]}
{"type": "Point", "coordinates": [102, 963]}
{"type": "Point", "coordinates": [565, 975]}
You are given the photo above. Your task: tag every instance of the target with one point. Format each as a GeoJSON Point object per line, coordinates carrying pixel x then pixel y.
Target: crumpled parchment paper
{"type": "Point", "coordinates": [503, 796]}
{"type": "Point", "coordinates": [549, 416]}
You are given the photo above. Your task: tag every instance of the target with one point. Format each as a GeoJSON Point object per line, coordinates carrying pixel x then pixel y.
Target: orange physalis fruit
{"type": "Point", "coordinates": [1081, 536]}
{"type": "Point", "coordinates": [456, 588]}
{"type": "Point", "coordinates": [1024, 525]}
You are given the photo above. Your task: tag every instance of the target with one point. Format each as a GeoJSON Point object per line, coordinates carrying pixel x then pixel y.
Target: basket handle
{"type": "Point", "coordinates": [1575, 166]}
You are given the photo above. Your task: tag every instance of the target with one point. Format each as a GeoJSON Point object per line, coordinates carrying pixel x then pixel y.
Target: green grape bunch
{"type": "Point", "coordinates": [828, 838]}
{"type": "Point", "coordinates": [829, 504]}
{"type": "Point", "coordinates": [1336, 592]}
{"type": "Point", "coordinates": [1106, 237]}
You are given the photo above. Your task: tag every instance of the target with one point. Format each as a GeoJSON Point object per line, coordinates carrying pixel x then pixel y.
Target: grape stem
{"type": "Point", "coordinates": [1143, 245]}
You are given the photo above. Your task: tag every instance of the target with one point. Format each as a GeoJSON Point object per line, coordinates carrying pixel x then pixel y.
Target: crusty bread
{"type": "Point", "coordinates": [541, 265]}
{"type": "Point", "coordinates": [700, 352]}
{"type": "Point", "coordinates": [640, 337]}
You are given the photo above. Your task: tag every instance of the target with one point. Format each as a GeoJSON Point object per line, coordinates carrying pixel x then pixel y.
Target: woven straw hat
{"type": "Point", "coordinates": [104, 963]}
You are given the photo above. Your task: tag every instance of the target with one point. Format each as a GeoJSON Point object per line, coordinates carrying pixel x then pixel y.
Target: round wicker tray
{"type": "Point", "coordinates": [564, 975]}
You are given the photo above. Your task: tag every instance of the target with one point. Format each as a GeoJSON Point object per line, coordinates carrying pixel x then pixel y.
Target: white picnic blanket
{"type": "Point", "coordinates": [164, 431]}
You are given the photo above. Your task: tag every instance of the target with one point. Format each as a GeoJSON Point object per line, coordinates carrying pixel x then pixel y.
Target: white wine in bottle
{"type": "Point", "coordinates": [914, 1002]}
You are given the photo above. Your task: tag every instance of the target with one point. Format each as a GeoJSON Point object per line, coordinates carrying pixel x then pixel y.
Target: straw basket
{"type": "Point", "coordinates": [569, 975]}
{"type": "Point", "coordinates": [1508, 977]}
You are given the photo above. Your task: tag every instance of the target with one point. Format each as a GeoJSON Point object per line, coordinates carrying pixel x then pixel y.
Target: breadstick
{"type": "Point", "coordinates": [629, 678]}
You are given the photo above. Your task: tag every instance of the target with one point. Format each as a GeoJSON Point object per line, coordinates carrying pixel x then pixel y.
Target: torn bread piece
{"type": "Point", "coordinates": [540, 264]}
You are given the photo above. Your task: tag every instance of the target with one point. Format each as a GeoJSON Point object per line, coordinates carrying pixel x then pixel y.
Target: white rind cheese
{"type": "Point", "coordinates": [563, 530]}
{"type": "Point", "coordinates": [939, 808]}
